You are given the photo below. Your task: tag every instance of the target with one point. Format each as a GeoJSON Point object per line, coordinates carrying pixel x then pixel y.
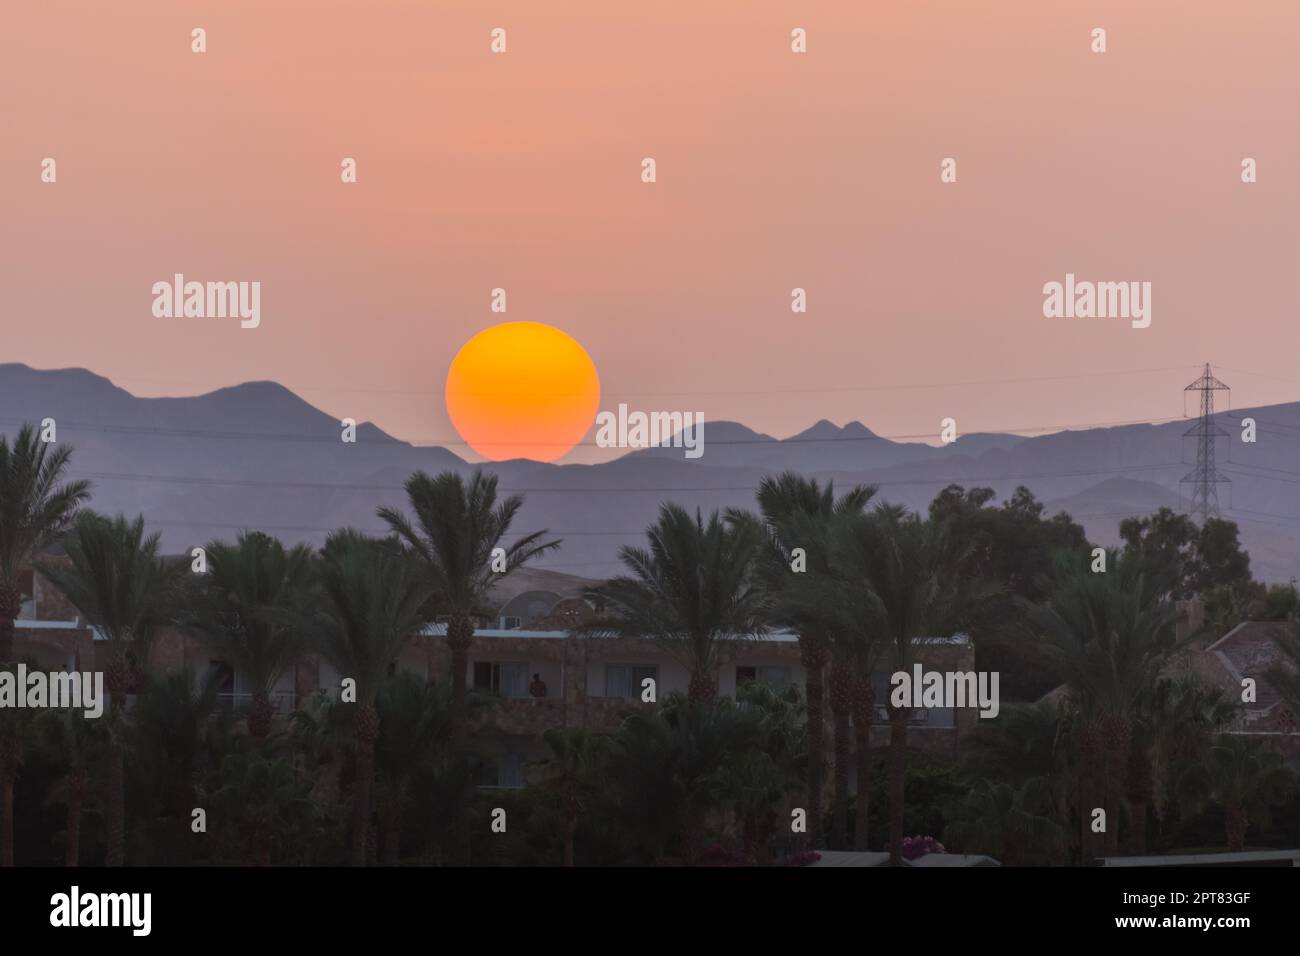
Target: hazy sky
{"type": "Point", "coordinates": [775, 170]}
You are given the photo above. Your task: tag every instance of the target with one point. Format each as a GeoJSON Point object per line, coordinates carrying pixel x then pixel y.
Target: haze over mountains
{"type": "Point", "coordinates": [257, 456]}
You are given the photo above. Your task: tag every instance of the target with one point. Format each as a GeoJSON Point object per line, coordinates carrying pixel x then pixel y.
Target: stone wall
{"type": "Point", "coordinates": [55, 648]}
{"type": "Point", "coordinates": [574, 657]}
{"type": "Point", "coordinates": [173, 650]}
{"type": "Point", "coordinates": [50, 602]}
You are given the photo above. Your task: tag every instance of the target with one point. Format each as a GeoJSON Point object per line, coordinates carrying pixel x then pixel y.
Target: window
{"type": "Point", "coordinates": [507, 678]}
{"type": "Point", "coordinates": [923, 716]}
{"type": "Point", "coordinates": [777, 678]}
{"type": "Point", "coordinates": [223, 675]}
{"type": "Point", "coordinates": [505, 771]}
{"type": "Point", "coordinates": [624, 680]}
{"type": "Point", "coordinates": [27, 593]}
{"type": "Point", "coordinates": [511, 623]}
{"type": "Point", "coordinates": [330, 679]}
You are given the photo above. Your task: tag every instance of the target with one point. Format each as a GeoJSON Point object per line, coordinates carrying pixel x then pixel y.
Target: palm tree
{"type": "Point", "coordinates": [1243, 778]}
{"type": "Point", "coordinates": [1108, 634]}
{"type": "Point", "coordinates": [244, 609]}
{"type": "Point", "coordinates": [760, 778]}
{"type": "Point", "coordinates": [117, 579]}
{"type": "Point", "coordinates": [893, 575]}
{"type": "Point", "coordinates": [695, 591]}
{"type": "Point", "coordinates": [458, 525]}
{"type": "Point", "coordinates": [174, 738]}
{"type": "Point", "coordinates": [258, 797]}
{"type": "Point", "coordinates": [1186, 718]}
{"type": "Point", "coordinates": [1028, 749]}
{"type": "Point", "coordinates": [414, 729]}
{"type": "Point", "coordinates": [796, 511]}
{"type": "Point", "coordinates": [1174, 724]}
{"type": "Point", "coordinates": [572, 773]}
{"type": "Point", "coordinates": [76, 746]}
{"type": "Point", "coordinates": [36, 507]}
{"type": "Point", "coordinates": [377, 601]}
{"type": "Point", "coordinates": [15, 724]}
{"type": "Point", "coordinates": [644, 774]}
{"type": "Point", "coordinates": [1016, 824]}
{"type": "Point", "coordinates": [669, 765]}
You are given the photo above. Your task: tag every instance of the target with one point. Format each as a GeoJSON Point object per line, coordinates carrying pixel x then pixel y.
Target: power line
{"type": "Point", "coordinates": [638, 532]}
{"type": "Point", "coordinates": [443, 443]}
{"type": "Point", "coordinates": [1289, 481]}
{"type": "Point", "coordinates": [344, 486]}
{"type": "Point", "coordinates": [1266, 514]}
{"type": "Point", "coordinates": [757, 391]}
{"type": "Point", "coordinates": [1245, 464]}
{"type": "Point", "coordinates": [1243, 371]}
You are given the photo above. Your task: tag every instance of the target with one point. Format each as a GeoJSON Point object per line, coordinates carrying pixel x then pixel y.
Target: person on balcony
{"type": "Point", "coordinates": [538, 687]}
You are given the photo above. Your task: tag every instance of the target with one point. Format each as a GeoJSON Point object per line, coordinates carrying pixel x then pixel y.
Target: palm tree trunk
{"type": "Point", "coordinates": [72, 843]}
{"type": "Point", "coordinates": [1091, 786]}
{"type": "Point", "coordinates": [1138, 827]}
{"type": "Point", "coordinates": [703, 686]}
{"type": "Point", "coordinates": [864, 705]}
{"type": "Point", "coordinates": [260, 714]}
{"type": "Point", "coordinates": [1117, 742]}
{"type": "Point", "coordinates": [183, 803]}
{"type": "Point", "coordinates": [897, 779]}
{"type": "Point", "coordinates": [11, 605]}
{"type": "Point", "coordinates": [460, 634]}
{"type": "Point", "coordinates": [365, 731]}
{"type": "Point", "coordinates": [812, 650]}
{"type": "Point", "coordinates": [692, 838]}
{"type": "Point", "coordinates": [117, 676]}
{"type": "Point", "coordinates": [570, 831]}
{"type": "Point", "coordinates": [1140, 790]}
{"type": "Point", "coordinates": [116, 854]}
{"type": "Point", "coordinates": [841, 701]}
{"type": "Point", "coordinates": [8, 773]}
{"type": "Point", "coordinates": [262, 846]}
{"type": "Point", "coordinates": [390, 825]}
{"type": "Point", "coordinates": [77, 784]}
{"type": "Point", "coordinates": [1236, 823]}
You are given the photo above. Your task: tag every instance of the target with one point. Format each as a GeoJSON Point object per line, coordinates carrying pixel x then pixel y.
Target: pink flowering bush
{"type": "Point", "coordinates": [718, 855]}
{"type": "Point", "coordinates": [918, 846]}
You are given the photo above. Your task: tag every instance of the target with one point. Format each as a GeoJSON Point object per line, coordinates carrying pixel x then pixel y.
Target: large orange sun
{"type": "Point", "coordinates": [522, 390]}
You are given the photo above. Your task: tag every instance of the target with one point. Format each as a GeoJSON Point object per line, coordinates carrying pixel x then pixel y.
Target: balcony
{"type": "Point", "coordinates": [282, 702]}
{"type": "Point", "coordinates": [523, 715]}
{"type": "Point", "coordinates": [918, 717]}
{"type": "Point", "coordinates": [605, 714]}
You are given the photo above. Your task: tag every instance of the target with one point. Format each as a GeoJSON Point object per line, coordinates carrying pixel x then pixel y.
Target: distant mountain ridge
{"type": "Point", "coordinates": [258, 456]}
{"type": "Point", "coordinates": [849, 447]}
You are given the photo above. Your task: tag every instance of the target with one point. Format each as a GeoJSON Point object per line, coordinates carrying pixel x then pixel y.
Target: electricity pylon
{"type": "Point", "coordinates": [1205, 478]}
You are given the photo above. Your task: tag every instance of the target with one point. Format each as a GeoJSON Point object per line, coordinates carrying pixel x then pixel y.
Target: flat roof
{"type": "Point", "coordinates": [440, 630]}
{"type": "Point", "coordinates": [1248, 858]}
{"type": "Point", "coordinates": [850, 858]}
{"type": "Point", "coordinates": [72, 625]}
{"type": "Point", "coordinates": [784, 637]}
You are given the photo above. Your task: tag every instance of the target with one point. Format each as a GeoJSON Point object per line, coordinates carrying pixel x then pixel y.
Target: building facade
{"type": "Point", "coordinates": [548, 675]}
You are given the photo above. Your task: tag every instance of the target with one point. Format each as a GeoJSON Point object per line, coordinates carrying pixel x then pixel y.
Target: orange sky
{"type": "Point", "coordinates": [775, 171]}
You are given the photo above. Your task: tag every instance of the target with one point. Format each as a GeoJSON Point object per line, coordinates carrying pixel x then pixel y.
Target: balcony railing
{"type": "Point", "coordinates": [606, 713]}
{"type": "Point", "coordinates": [282, 702]}
{"type": "Point", "coordinates": [524, 715]}
{"type": "Point", "coordinates": [918, 715]}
